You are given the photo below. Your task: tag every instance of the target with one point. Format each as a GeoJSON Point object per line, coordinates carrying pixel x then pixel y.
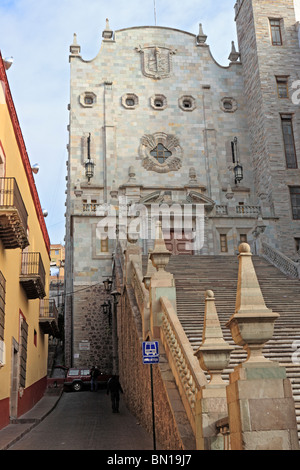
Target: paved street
{"type": "Point", "coordinates": [84, 421]}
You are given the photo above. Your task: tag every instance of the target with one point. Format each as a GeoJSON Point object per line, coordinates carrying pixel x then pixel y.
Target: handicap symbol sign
{"type": "Point", "coordinates": [150, 352]}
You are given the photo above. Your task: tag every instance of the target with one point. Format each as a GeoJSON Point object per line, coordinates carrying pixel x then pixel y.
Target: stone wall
{"type": "Point", "coordinates": [92, 341]}
{"type": "Point", "coordinates": [262, 62]}
{"type": "Point", "coordinates": [173, 431]}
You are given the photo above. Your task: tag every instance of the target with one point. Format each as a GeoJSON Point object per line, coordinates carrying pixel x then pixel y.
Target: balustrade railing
{"type": "Point", "coordinates": [186, 369]}
{"type": "Point", "coordinates": [248, 210]}
{"type": "Point", "coordinates": [281, 261]}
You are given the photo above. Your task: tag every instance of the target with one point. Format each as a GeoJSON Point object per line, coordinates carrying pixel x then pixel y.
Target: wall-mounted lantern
{"type": "Point", "coordinates": [238, 169]}
{"type": "Point", "coordinates": [89, 163]}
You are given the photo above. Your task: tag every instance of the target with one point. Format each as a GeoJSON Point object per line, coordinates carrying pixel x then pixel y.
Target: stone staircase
{"type": "Point", "coordinates": [195, 274]}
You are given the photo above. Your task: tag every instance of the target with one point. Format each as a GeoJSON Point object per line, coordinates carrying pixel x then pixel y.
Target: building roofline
{"type": "Point", "coordinates": [157, 27]}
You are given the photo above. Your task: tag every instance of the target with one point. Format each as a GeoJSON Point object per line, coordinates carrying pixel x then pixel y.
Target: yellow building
{"type": "Point", "coordinates": [25, 320]}
{"type": "Point", "coordinates": [57, 253]}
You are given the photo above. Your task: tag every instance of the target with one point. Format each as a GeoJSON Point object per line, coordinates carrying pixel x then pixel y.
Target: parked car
{"type": "Point", "coordinates": [79, 378]}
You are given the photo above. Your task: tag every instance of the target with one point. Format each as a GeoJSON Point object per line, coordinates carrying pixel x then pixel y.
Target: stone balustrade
{"type": "Point", "coordinates": [188, 375]}
{"type": "Point", "coordinates": [281, 261]}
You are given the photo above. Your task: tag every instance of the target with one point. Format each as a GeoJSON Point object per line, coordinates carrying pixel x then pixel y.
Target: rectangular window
{"type": "Point", "coordinates": [104, 245]}
{"type": "Point", "coordinates": [297, 244]}
{"type": "Point", "coordinates": [276, 36]}
{"type": "Point", "coordinates": [243, 238]}
{"type": "Point", "coordinates": [223, 243]}
{"type": "Point", "coordinates": [282, 87]}
{"type": "Point", "coordinates": [289, 142]}
{"type": "Point", "coordinates": [295, 201]}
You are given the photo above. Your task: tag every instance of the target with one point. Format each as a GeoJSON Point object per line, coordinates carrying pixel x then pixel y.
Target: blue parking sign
{"type": "Point", "coordinates": [150, 352]}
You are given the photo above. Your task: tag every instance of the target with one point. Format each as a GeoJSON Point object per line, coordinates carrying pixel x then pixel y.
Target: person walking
{"type": "Point", "coordinates": [94, 376]}
{"type": "Point", "coordinates": [114, 388]}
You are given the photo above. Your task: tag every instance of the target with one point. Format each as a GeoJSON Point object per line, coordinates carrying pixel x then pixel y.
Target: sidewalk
{"type": "Point", "coordinates": [13, 432]}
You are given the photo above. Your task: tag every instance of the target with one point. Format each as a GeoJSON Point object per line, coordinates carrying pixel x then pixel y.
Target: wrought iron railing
{"type": "Point", "coordinates": [32, 265]}
{"type": "Point", "coordinates": [48, 309]}
{"type": "Point", "coordinates": [10, 196]}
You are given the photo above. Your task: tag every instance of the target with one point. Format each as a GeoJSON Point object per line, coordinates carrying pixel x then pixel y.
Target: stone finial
{"type": "Point", "coordinates": [252, 324]}
{"type": "Point", "coordinates": [150, 271]}
{"type": "Point", "coordinates": [234, 55]}
{"type": "Point", "coordinates": [114, 190]}
{"type": "Point", "coordinates": [107, 33]}
{"type": "Point", "coordinates": [75, 48]}
{"type": "Point", "coordinates": [214, 352]}
{"type": "Point", "coordinates": [229, 193]}
{"type": "Point", "coordinates": [201, 38]}
{"type": "Point", "coordinates": [160, 255]}
{"type": "Point", "coordinates": [192, 175]}
{"type": "Point", "coordinates": [131, 174]}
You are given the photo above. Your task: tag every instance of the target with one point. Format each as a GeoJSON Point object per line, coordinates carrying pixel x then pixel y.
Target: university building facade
{"type": "Point", "coordinates": [156, 121]}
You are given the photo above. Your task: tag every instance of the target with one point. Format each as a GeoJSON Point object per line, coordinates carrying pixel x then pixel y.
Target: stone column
{"type": "Point", "coordinates": [260, 402]}
{"type": "Point", "coordinates": [213, 355]}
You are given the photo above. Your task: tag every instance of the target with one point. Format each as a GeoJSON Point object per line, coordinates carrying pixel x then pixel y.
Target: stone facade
{"type": "Point", "coordinates": [155, 88]}
{"type": "Point", "coordinates": [262, 63]}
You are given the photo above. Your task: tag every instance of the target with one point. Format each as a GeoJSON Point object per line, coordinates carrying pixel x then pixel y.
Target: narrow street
{"type": "Point", "coordinates": [84, 421]}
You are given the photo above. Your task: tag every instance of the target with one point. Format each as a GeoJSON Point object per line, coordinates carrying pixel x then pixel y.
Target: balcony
{"type": "Point", "coordinates": [49, 317]}
{"type": "Point", "coordinates": [32, 276]}
{"type": "Point", "coordinates": [13, 215]}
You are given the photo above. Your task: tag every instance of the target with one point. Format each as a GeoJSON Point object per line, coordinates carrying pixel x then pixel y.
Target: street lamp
{"type": "Point", "coordinates": [238, 173]}
{"type": "Point", "coordinates": [89, 164]}
{"type": "Point", "coordinates": [116, 296]}
{"type": "Point", "coordinates": [107, 305]}
{"type": "Point", "coordinates": [106, 309]}
{"type": "Point", "coordinates": [238, 169]}
{"type": "Point", "coordinates": [107, 285]}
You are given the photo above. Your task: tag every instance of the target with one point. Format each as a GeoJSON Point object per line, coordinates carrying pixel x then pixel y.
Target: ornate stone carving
{"type": "Point", "coordinates": [156, 61]}
{"type": "Point", "coordinates": [150, 142]}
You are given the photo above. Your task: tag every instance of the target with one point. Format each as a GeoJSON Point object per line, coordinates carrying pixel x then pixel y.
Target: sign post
{"type": "Point", "coordinates": [151, 356]}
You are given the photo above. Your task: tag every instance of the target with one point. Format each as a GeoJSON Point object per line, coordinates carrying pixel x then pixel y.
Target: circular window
{"type": "Point", "coordinates": [228, 105]}
{"type": "Point", "coordinates": [87, 99]}
{"type": "Point", "coordinates": [187, 103]}
{"type": "Point", "coordinates": [130, 101]}
{"type": "Point", "coordinates": [158, 102]}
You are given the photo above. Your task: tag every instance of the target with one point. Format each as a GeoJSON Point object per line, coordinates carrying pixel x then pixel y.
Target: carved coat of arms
{"type": "Point", "coordinates": [156, 61]}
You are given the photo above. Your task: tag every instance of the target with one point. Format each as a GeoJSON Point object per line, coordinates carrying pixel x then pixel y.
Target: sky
{"type": "Point", "coordinates": [38, 34]}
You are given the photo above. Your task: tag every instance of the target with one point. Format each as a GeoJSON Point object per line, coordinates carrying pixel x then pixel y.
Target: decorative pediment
{"type": "Point", "coordinates": [194, 197]}
{"type": "Point", "coordinates": [165, 197]}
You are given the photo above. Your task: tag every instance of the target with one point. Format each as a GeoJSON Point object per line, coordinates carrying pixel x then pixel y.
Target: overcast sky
{"type": "Point", "coordinates": [38, 33]}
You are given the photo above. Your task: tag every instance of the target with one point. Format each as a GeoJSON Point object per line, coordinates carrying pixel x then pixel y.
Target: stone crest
{"type": "Point", "coordinates": [156, 61]}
